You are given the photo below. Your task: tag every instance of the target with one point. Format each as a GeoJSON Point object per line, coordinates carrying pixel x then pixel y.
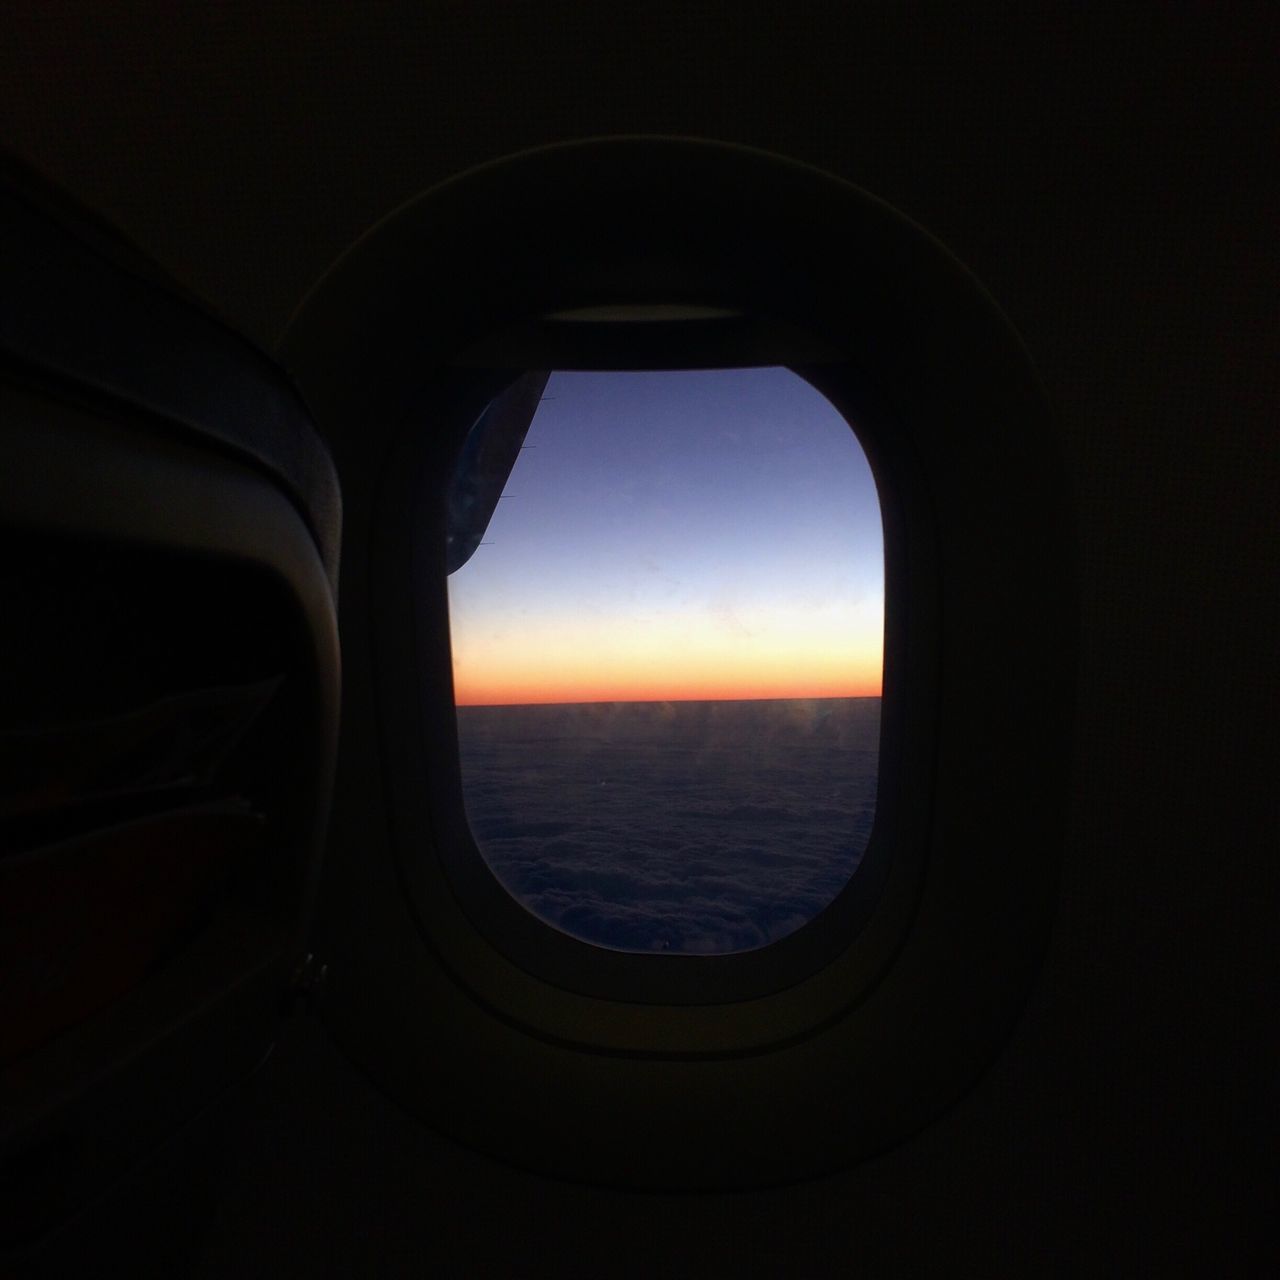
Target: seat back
{"type": "Point", "coordinates": [169, 526]}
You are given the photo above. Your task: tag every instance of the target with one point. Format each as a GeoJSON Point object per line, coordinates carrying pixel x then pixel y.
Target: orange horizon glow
{"type": "Point", "coordinates": [680, 657]}
{"type": "Point", "coordinates": [511, 698]}
{"type": "Point", "coordinates": [486, 687]}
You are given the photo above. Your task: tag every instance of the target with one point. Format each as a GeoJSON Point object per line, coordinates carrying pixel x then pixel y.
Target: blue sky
{"type": "Point", "coordinates": [674, 535]}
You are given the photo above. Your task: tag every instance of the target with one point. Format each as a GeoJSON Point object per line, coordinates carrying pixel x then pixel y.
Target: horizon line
{"type": "Point", "coordinates": [588, 702]}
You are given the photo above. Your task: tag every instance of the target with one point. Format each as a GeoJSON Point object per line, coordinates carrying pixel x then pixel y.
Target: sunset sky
{"type": "Point", "coordinates": [670, 536]}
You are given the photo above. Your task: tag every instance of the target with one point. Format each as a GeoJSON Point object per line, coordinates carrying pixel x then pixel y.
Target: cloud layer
{"type": "Point", "coordinates": [691, 827]}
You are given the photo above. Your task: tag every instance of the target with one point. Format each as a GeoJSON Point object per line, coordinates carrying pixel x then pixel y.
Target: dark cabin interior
{"type": "Point", "coordinates": [1108, 174]}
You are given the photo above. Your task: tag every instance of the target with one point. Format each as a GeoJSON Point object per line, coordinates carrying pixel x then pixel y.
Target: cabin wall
{"type": "Point", "coordinates": [1110, 178]}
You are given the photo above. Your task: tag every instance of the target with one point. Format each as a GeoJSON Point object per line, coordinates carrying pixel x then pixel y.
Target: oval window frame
{"type": "Point", "coordinates": [457, 899]}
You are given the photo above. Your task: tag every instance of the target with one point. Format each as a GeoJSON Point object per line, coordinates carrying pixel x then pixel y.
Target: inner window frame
{"type": "Point", "coordinates": [893, 857]}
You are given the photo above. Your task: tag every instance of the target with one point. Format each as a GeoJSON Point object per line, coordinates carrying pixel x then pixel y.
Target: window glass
{"type": "Point", "coordinates": [666, 602]}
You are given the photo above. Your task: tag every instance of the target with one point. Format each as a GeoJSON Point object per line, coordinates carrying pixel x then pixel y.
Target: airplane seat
{"type": "Point", "coordinates": [169, 527]}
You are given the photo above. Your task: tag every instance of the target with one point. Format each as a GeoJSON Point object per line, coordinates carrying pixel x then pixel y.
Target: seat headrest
{"type": "Point", "coordinates": [80, 305]}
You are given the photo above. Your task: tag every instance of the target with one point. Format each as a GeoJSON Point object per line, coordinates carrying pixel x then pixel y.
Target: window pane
{"type": "Point", "coordinates": [667, 653]}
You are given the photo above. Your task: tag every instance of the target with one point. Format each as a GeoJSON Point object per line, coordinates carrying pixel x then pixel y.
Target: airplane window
{"type": "Point", "coordinates": [666, 601]}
